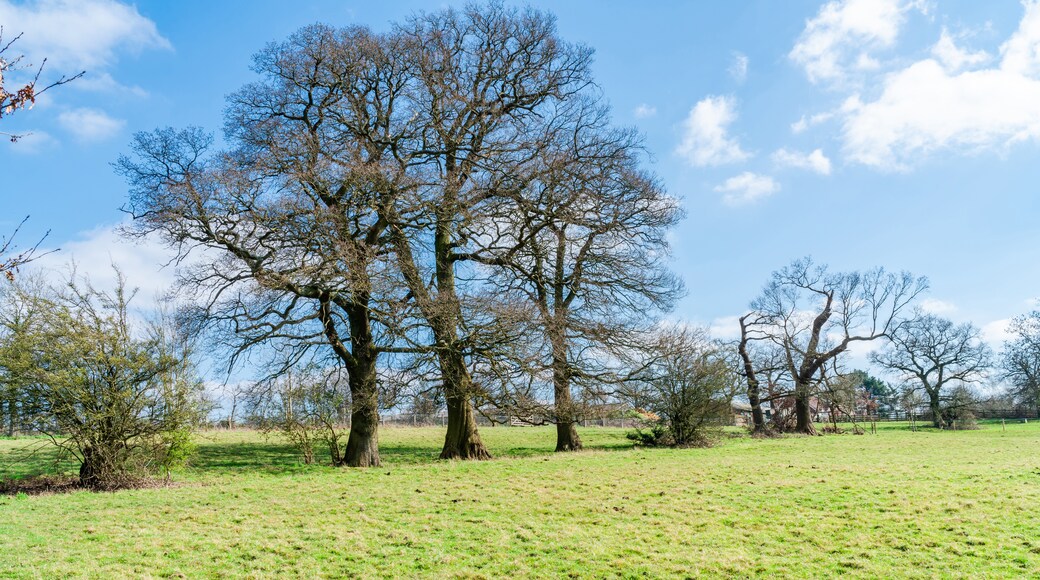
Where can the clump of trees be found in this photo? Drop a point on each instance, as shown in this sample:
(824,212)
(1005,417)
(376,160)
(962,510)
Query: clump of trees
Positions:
(805,319)
(449,195)
(119,396)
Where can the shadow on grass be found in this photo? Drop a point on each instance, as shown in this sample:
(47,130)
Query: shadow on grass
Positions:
(31,456)
(275,456)
(241,452)
(245,456)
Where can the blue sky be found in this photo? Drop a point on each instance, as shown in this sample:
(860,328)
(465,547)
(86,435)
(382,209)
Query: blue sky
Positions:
(862,132)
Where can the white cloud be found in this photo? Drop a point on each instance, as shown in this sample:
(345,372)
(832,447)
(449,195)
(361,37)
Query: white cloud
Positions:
(644,111)
(90,124)
(929,106)
(842,34)
(705,139)
(79,34)
(936,306)
(816,161)
(747,188)
(1020,55)
(996,332)
(738,69)
(804,122)
(955,58)
(94,253)
(105,83)
(725,328)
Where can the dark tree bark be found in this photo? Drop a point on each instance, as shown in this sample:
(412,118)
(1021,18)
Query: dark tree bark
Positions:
(754,391)
(88,470)
(935,406)
(462,441)
(363,440)
(566,430)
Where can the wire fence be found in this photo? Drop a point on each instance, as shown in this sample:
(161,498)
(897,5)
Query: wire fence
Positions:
(895,415)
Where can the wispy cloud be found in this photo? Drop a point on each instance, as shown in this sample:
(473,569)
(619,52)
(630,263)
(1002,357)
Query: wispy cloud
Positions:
(90,124)
(955,58)
(644,111)
(816,161)
(932,104)
(706,140)
(747,188)
(996,332)
(956,99)
(936,306)
(96,251)
(80,34)
(805,122)
(738,68)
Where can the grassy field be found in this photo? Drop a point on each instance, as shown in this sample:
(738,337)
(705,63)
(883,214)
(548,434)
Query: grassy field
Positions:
(924,504)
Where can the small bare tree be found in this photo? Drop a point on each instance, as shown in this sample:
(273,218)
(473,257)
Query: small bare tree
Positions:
(304,407)
(689,384)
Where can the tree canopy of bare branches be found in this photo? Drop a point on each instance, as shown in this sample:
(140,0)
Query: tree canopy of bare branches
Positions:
(813,315)
(288,211)
(583,246)
(934,354)
(355,210)
(1020,361)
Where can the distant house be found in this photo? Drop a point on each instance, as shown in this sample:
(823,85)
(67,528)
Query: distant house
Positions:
(742,413)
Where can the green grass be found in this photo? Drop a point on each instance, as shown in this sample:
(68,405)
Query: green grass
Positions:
(925,504)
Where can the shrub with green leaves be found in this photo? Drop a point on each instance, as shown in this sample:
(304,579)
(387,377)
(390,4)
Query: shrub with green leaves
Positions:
(120,395)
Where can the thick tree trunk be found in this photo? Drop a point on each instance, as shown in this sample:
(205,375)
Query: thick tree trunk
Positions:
(936,407)
(462,441)
(363,440)
(802,411)
(360,361)
(566,432)
(567,437)
(758,418)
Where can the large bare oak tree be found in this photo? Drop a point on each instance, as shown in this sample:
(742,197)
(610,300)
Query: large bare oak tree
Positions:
(814,315)
(934,354)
